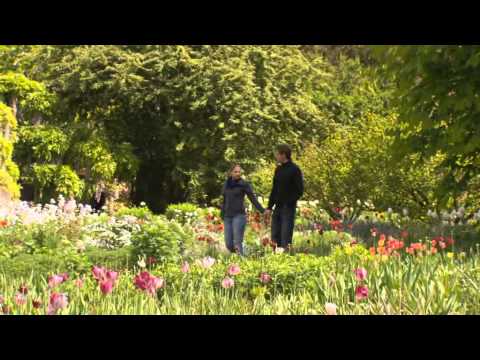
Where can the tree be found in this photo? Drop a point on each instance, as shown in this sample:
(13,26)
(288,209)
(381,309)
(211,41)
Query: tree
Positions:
(355,164)
(437,92)
(186,111)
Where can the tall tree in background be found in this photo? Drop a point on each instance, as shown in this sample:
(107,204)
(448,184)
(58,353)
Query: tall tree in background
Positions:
(438,95)
(187,111)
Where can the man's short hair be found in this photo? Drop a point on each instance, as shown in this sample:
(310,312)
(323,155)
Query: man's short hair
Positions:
(285,149)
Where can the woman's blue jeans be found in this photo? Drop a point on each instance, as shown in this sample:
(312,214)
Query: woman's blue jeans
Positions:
(234,227)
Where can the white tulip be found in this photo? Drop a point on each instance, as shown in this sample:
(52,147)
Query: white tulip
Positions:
(331,309)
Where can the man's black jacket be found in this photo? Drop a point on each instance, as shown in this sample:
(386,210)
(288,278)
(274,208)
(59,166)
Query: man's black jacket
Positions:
(287,185)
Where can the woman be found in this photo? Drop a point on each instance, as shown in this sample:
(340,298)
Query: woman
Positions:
(233,208)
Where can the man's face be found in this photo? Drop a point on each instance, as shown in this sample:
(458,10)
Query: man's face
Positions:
(280,157)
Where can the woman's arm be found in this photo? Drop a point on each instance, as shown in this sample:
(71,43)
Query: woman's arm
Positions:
(222,208)
(253,198)
(273,193)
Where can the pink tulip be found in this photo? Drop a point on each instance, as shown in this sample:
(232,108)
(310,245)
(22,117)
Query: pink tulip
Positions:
(185,267)
(20,299)
(227,283)
(361,292)
(57,302)
(331,309)
(98,273)
(265,278)
(106,287)
(207,262)
(361,274)
(54,280)
(112,275)
(148,283)
(233,270)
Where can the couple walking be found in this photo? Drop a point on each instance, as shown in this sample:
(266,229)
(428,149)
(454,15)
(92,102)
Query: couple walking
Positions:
(287,189)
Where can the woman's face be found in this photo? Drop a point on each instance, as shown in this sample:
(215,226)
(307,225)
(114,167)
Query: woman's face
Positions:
(236,173)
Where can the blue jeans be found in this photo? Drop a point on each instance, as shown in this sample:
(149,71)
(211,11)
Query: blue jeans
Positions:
(234,227)
(283,221)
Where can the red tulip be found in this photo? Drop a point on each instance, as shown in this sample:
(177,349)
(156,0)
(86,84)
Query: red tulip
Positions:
(151,260)
(37,304)
(361,292)
(64,276)
(23,290)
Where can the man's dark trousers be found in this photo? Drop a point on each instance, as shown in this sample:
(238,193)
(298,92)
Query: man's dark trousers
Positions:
(283,221)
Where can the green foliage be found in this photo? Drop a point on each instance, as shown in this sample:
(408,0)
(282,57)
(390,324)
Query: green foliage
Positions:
(26,265)
(352,91)
(33,95)
(182,213)
(159,238)
(142,213)
(41,143)
(186,110)
(9,172)
(51,180)
(112,259)
(353,167)
(437,94)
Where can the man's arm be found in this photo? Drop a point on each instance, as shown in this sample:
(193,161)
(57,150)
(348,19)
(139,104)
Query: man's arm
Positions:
(298,182)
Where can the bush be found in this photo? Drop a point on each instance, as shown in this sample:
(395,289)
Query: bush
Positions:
(142,212)
(111,233)
(321,244)
(161,239)
(112,259)
(25,265)
(183,213)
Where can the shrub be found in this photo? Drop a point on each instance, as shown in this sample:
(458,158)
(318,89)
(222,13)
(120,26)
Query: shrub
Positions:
(111,233)
(115,259)
(183,213)
(142,212)
(25,265)
(159,238)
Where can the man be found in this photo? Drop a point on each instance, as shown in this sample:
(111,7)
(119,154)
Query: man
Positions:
(287,189)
